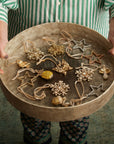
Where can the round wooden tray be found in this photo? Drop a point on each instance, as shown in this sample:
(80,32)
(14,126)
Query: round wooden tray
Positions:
(44,109)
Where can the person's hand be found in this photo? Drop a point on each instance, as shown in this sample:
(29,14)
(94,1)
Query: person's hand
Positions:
(2,47)
(3,40)
(2,52)
(111,35)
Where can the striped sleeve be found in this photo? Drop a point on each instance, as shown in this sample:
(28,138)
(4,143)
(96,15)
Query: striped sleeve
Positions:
(112,11)
(5,5)
(108,4)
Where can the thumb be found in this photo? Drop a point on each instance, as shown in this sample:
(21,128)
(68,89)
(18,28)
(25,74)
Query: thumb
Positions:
(111,40)
(1,71)
(112,51)
(2,48)
(3,54)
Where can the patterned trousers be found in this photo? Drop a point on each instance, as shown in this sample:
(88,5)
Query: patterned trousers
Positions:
(38,131)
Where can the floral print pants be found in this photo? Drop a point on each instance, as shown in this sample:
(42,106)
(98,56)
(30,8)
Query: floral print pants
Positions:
(38,131)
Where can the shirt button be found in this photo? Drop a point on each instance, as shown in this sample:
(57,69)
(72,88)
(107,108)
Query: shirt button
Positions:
(59,3)
(58,20)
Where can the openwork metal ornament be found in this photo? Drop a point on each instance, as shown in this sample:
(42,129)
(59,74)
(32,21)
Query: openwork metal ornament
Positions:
(93,57)
(82,45)
(31,51)
(95,90)
(60,88)
(85,73)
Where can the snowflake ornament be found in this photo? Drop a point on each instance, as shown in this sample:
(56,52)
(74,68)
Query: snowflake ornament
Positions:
(60,88)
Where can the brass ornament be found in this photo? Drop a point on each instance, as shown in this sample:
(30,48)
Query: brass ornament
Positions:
(60,88)
(57,100)
(56,50)
(85,73)
(32,52)
(104,71)
(23,64)
(62,67)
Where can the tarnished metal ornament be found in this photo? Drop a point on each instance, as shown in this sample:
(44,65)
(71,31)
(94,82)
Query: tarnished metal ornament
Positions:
(95,90)
(47,75)
(57,100)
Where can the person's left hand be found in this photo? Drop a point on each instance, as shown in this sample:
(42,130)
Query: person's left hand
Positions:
(111,35)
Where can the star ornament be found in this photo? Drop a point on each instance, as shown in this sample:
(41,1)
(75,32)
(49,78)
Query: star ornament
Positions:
(82,45)
(95,90)
(93,57)
(26,78)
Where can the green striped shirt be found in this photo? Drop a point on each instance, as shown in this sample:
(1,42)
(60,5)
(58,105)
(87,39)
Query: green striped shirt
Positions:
(91,13)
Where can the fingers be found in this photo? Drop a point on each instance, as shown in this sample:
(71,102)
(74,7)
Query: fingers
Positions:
(112,51)
(1,71)
(111,35)
(3,54)
(111,40)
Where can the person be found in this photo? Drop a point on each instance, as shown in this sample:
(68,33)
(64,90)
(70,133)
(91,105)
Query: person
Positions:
(95,14)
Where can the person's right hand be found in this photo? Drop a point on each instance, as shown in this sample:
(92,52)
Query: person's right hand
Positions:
(111,35)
